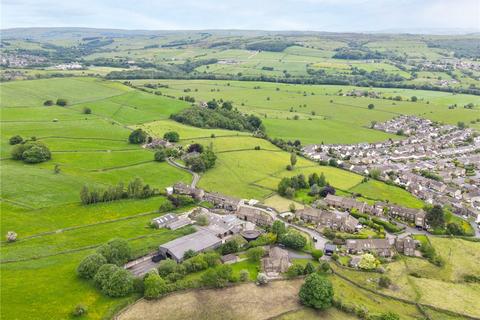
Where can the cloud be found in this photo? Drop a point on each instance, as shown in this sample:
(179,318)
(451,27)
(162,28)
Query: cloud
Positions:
(319,15)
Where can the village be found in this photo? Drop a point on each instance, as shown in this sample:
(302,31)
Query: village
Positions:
(436,163)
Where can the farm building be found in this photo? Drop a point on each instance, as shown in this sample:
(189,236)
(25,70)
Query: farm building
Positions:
(199,241)
(161,222)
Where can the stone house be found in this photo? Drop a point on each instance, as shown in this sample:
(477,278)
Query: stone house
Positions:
(275,262)
(380,247)
(255,215)
(183,189)
(406,246)
(222,201)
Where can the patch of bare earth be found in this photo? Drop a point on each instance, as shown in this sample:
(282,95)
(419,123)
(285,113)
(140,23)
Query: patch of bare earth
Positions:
(246,301)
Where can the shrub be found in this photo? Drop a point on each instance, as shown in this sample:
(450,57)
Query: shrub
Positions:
(244,275)
(324,267)
(293,240)
(384,282)
(262,279)
(316,292)
(295,270)
(137,136)
(119,284)
(196,263)
(90,265)
(160,155)
(79,310)
(167,266)
(48,103)
(229,247)
(40,152)
(87,110)
(154,286)
(116,251)
(15,140)
(389,316)
(254,254)
(61,102)
(371,106)
(171,136)
(189,254)
(103,274)
(368,262)
(309,268)
(317,254)
(217,277)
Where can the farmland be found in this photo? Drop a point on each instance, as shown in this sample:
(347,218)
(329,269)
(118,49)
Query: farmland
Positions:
(55,231)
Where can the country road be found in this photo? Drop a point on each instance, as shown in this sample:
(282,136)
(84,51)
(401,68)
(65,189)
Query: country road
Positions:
(195,176)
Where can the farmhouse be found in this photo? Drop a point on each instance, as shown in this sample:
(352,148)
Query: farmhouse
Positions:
(222,201)
(380,247)
(199,241)
(255,215)
(276,261)
(182,188)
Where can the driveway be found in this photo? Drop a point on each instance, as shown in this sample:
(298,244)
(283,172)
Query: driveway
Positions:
(195,176)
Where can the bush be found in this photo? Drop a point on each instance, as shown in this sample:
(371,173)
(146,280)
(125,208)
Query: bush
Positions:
(154,286)
(293,240)
(80,310)
(384,282)
(295,270)
(309,268)
(217,277)
(317,254)
(87,110)
(160,155)
(61,102)
(15,140)
(229,247)
(196,263)
(103,275)
(368,262)
(119,284)
(167,266)
(316,292)
(324,267)
(48,103)
(262,279)
(116,251)
(137,136)
(389,316)
(171,136)
(40,152)
(244,275)
(90,265)
(255,254)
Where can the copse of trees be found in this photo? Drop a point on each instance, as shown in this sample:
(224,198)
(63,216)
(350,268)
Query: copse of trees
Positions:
(31,152)
(214,117)
(136,189)
(293,240)
(316,292)
(171,136)
(137,136)
(116,251)
(90,265)
(203,161)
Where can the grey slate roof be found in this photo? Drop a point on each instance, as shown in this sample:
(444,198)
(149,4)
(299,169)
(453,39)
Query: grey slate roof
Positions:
(198,241)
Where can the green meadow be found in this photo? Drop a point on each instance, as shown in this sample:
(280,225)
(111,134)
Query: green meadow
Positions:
(55,231)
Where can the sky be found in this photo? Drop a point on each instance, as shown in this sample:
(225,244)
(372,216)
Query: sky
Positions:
(314,15)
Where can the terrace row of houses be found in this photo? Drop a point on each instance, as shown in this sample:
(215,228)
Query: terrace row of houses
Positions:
(436,163)
(382,247)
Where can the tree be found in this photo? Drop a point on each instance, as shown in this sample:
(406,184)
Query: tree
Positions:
(119,284)
(293,159)
(154,286)
(85,195)
(322,181)
(326,191)
(278,227)
(435,217)
(48,103)
(389,316)
(229,247)
(195,147)
(87,110)
(227,105)
(217,277)
(36,154)
(171,136)
(61,102)
(455,229)
(291,207)
(290,192)
(295,270)
(317,254)
(103,274)
(212,104)
(202,220)
(137,136)
(189,254)
(209,158)
(316,292)
(461,125)
(197,164)
(160,155)
(375,173)
(283,185)
(15,140)
(371,106)
(262,279)
(90,265)
(116,251)
(368,262)
(254,254)
(244,275)
(309,268)
(167,266)
(293,240)
(414,99)
(314,190)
